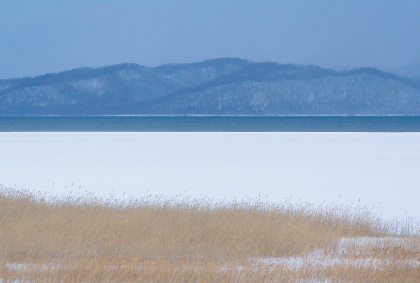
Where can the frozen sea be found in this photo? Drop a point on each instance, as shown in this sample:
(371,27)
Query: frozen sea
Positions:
(373,169)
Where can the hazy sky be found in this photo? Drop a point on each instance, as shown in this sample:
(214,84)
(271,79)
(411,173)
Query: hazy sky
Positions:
(44,36)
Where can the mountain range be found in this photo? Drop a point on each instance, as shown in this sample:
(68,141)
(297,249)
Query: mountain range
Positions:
(225,86)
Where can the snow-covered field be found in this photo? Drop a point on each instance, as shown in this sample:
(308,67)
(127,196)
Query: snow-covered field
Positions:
(381,169)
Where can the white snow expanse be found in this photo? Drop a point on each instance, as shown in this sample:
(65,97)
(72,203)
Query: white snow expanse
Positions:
(381,169)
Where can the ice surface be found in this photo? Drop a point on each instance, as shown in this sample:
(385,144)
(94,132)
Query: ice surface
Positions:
(381,169)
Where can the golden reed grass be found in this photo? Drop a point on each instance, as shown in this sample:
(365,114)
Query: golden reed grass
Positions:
(90,239)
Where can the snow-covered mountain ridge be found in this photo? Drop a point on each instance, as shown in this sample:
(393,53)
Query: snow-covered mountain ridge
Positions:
(226,86)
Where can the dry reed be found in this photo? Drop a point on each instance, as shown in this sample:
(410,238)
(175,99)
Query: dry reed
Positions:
(90,239)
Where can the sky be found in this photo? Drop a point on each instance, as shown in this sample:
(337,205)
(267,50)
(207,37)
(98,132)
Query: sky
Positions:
(46,36)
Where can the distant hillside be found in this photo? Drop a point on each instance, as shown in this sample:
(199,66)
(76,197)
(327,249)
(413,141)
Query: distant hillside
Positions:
(227,86)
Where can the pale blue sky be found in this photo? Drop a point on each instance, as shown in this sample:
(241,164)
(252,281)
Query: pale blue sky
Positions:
(44,36)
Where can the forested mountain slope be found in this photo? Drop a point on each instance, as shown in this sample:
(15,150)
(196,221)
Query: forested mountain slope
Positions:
(226,86)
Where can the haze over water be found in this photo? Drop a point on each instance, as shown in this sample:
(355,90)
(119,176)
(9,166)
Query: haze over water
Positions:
(212,124)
